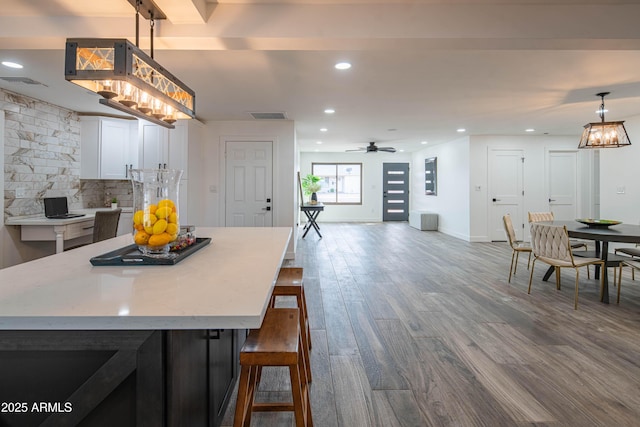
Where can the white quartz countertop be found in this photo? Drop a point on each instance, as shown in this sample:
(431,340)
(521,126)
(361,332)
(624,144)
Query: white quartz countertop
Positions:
(225,285)
(43,220)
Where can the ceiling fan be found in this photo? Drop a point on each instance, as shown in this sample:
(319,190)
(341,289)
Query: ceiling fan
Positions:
(373,148)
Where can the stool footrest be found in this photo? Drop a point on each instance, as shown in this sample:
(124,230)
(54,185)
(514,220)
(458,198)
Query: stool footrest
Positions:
(273,407)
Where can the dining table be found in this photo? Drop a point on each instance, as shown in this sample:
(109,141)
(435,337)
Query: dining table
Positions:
(601,234)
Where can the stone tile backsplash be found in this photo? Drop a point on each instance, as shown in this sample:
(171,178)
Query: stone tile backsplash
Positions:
(42,159)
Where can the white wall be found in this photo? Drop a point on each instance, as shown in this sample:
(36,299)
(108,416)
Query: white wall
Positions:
(463,202)
(452,202)
(619,171)
(282,133)
(371,208)
(536,195)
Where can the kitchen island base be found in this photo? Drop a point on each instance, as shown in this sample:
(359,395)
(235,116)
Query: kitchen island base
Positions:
(125,378)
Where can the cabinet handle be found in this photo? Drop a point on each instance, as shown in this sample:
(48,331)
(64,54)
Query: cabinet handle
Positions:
(214,334)
(165,165)
(159,165)
(126,171)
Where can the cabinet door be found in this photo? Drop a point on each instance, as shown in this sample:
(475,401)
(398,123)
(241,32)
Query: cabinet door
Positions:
(114,149)
(125,223)
(224,358)
(154,146)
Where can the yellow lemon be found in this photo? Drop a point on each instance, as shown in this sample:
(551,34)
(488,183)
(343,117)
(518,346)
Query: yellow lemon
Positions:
(159,239)
(166,202)
(138,217)
(139,227)
(141,238)
(148,229)
(163,212)
(160,226)
(172,228)
(152,209)
(173,218)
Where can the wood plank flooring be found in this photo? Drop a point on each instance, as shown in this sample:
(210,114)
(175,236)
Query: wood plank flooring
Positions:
(414,328)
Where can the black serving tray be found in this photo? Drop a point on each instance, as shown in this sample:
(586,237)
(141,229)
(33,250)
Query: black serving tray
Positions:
(131,255)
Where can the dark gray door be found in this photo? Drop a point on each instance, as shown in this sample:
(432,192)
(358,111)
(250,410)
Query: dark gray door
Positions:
(395,191)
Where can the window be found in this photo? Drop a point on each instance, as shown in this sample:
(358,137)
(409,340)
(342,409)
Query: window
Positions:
(341,182)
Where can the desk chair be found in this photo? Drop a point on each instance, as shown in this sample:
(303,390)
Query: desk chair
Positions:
(550,244)
(105,225)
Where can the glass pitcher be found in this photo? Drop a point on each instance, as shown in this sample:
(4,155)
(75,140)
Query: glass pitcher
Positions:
(155,209)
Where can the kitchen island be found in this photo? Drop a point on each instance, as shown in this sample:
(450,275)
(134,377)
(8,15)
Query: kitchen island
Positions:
(132,345)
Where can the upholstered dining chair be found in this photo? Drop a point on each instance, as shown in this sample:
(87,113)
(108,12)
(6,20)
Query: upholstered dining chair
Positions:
(548,216)
(550,244)
(517,246)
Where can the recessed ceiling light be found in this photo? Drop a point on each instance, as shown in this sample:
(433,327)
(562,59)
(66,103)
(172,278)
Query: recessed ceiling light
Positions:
(343,66)
(424,142)
(461,130)
(318,142)
(11,64)
(329,111)
(323,129)
(402,151)
(530,130)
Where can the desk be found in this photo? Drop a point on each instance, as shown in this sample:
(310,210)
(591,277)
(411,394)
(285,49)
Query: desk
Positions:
(625,233)
(312,212)
(41,229)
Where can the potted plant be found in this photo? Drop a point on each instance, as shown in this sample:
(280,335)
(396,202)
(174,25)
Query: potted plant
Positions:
(310,186)
(114,203)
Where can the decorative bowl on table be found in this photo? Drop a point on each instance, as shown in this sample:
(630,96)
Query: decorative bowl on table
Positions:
(598,223)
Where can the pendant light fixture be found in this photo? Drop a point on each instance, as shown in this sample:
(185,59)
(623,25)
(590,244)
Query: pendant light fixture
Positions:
(604,134)
(128,79)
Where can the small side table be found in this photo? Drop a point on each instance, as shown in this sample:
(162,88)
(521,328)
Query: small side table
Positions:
(312,212)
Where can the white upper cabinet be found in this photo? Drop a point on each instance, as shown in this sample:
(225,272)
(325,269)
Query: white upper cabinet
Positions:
(154,147)
(168,148)
(108,149)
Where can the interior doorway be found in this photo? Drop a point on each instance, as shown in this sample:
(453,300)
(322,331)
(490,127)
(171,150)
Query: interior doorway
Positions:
(506,176)
(249,184)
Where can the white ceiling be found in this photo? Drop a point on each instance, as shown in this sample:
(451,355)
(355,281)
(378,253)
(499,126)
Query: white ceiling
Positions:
(421,69)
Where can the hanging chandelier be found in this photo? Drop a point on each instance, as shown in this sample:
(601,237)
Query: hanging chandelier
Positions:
(128,79)
(604,134)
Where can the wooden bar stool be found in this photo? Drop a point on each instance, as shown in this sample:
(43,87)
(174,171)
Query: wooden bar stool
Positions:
(289,283)
(278,342)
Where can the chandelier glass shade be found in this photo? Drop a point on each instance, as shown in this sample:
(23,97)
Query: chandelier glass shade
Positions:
(604,134)
(128,80)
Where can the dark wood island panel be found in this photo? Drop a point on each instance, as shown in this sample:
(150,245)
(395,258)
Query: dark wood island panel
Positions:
(124,378)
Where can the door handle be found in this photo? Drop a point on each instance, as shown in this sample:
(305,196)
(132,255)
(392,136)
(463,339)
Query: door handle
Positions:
(552,200)
(268,208)
(496,200)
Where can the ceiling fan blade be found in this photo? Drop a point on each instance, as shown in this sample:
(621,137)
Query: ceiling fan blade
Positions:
(357,149)
(387,149)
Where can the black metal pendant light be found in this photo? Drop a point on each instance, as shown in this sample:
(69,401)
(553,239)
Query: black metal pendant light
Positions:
(604,134)
(128,79)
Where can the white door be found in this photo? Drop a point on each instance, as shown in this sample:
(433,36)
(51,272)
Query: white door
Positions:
(154,146)
(249,184)
(506,192)
(562,184)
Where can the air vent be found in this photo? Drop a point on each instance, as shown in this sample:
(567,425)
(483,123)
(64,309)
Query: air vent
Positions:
(269,116)
(25,80)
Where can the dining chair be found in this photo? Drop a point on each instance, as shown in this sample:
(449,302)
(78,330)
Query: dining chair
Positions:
(550,244)
(634,264)
(517,246)
(633,253)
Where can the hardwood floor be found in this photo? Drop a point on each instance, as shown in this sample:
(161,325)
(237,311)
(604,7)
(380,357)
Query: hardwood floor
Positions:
(413,328)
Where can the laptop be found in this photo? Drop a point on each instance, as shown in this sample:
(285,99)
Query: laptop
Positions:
(57,208)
